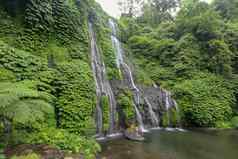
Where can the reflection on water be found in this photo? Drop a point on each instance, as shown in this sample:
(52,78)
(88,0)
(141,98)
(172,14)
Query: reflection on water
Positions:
(159,144)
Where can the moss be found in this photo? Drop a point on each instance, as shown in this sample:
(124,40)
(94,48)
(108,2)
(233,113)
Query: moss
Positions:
(28,156)
(105,106)
(174,117)
(165,120)
(125,101)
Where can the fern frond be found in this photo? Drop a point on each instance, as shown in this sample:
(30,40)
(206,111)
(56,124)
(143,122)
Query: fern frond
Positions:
(7,99)
(41,105)
(22,103)
(19,112)
(46,96)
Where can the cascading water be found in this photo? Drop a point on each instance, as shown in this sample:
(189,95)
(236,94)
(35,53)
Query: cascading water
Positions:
(128,72)
(103,87)
(154,118)
(116,43)
(164,98)
(169,105)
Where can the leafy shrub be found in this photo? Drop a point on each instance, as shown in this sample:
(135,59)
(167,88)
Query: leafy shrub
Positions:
(76,96)
(6,75)
(64,140)
(125,101)
(2,156)
(234,122)
(22,103)
(23,64)
(105,107)
(174,117)
(29,156)
(223,124)
(205,100)
(165,120)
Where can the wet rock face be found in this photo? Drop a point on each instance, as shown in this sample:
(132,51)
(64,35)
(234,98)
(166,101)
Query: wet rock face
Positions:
(161,103)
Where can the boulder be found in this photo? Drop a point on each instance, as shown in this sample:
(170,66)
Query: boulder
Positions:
(133,134)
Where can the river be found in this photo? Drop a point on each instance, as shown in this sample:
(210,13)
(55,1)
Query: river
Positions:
(161,144)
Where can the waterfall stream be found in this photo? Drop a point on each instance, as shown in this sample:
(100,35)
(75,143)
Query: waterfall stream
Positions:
(122,65)
(103,87)
(165,96)
(154,118)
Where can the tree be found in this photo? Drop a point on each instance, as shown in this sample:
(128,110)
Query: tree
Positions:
(157,11)
(22,104)
(228,9)
(130,7)
(165,5)
(220,58)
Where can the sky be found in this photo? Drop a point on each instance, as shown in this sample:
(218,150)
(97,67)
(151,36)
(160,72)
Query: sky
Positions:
(111,6)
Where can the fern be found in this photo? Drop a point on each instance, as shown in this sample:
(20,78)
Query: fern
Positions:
(22,103)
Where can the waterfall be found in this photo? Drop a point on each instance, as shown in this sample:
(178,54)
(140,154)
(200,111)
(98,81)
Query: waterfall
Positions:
(116,43)
(169,104)
(128,72)
(103,87)
(164,97)
(139,119)
(153,116)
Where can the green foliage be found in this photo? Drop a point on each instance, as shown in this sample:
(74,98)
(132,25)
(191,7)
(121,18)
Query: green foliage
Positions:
(195,55)
(29,156)
(174,117)
(199,19)
(39,15)
(105,108)
(158,11)
(76,96)
(66,141)
(165,120)
(227,8)
(152,48)
(205,100)
(234,122)
(6,75)
(223,125)
(142,77)
(21,63)
(2,156)
(125,101)
(47,41)
(22,103)
(188,57)
(220,58)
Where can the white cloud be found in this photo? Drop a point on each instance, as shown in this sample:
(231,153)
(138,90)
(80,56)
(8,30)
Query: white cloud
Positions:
(110,6)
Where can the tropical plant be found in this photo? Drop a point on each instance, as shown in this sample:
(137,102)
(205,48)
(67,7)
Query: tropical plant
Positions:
(28,156)
(66,141)
(21,103)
